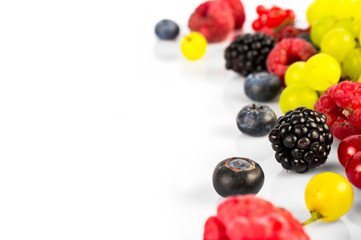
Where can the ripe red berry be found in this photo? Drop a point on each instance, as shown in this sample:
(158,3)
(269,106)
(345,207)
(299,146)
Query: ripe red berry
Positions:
(213,19)
(247,217)
(348,147)
(341,104)
(286,52)
(261,10)
(276,18)
(353,170)
(257,25)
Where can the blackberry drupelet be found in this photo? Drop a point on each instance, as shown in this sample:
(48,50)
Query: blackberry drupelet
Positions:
(248,53)
(301,139)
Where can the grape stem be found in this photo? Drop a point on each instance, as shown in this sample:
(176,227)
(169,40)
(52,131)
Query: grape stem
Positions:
(314,217)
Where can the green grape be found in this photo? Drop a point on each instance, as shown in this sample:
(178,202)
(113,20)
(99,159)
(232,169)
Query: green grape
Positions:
(319,29)
(351,64)
(357,10)
(318,9)
(297,95)
(345,23)
(356,27)
(344,8)
(294,73)
(337,43)
(321,72)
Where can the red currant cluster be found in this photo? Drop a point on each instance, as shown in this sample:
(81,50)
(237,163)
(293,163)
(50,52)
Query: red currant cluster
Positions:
(276,22)
(273,17)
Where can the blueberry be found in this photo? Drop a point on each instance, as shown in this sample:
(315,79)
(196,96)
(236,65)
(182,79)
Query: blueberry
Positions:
(167,29)
(262,86)
(304,36)
(256,120)
(237,176)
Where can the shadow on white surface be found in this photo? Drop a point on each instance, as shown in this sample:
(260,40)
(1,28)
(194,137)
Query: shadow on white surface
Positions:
(167,50)
(255,148)
(336,230)
(225,131)
(197,195)
(233,93)
(193,69)
(354,214)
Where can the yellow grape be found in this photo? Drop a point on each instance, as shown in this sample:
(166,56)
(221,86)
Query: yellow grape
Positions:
(328,196)
(321,72)
(194,46)
(337,43)
(318,9)
(320,28)
(297,95)
(294,73)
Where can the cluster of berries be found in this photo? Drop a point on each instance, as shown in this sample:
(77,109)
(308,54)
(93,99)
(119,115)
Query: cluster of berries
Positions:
(318,106)
(277,22)
(273,17)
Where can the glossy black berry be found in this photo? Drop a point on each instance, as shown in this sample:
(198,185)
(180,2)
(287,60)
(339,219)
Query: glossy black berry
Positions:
(248,53)
(256,120)
(262,86)
(301,140)
(236,175)
(167,29)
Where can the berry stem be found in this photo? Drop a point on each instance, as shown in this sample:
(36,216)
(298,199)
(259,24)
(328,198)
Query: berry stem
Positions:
(314,217)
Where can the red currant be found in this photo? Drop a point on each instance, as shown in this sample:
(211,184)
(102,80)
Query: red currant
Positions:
(348,147)
(276,18)
(257,25)
(275,8)
(290,14)
(261,10)
(353,170)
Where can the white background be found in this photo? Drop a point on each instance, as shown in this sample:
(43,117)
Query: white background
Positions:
(107,132)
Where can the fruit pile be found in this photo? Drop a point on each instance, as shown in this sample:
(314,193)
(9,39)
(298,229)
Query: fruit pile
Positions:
(316,72)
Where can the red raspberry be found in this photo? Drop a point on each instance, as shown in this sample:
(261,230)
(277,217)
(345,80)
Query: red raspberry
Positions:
(239,14)
(214,230)
(214,19)
(341,104)
(247,217)
(286,52)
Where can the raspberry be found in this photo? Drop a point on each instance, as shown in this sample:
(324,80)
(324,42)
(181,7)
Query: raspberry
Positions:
(248,53)
(286,52)
(301,140)
(238,12)
(214,19)
(341,104)
(214,230)
(250,218)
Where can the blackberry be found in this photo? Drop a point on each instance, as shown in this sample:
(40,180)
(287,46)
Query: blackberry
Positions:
(301,139)
(248,53)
